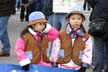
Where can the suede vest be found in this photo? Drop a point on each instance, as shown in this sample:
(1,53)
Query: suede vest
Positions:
(71,52)
(38,49)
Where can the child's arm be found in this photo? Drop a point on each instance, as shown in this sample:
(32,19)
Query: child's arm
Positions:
(19,50)
(87,53)
(55,50)
(51,32)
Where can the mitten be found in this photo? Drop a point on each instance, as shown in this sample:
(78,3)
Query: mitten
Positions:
(25,67)
(54,64)
(85,65)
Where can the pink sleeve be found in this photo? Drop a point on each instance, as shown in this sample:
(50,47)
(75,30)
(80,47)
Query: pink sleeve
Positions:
(55,50)
(87,52)
(19,49)
(52,34)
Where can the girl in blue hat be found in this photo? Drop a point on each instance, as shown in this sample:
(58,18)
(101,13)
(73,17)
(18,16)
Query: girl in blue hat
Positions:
(32,46)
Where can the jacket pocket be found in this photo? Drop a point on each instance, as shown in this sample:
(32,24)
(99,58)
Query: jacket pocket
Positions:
(28,54)
(61,53)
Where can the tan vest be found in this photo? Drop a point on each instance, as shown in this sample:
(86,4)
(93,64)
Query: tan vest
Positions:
(31,44)
(71,52)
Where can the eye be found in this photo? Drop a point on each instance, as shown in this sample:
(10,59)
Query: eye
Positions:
(42,23)
(72,18)
(79,18)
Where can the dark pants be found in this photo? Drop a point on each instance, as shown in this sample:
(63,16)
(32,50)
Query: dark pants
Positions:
(86,5)
(24,13)
(82,69)
(100,57)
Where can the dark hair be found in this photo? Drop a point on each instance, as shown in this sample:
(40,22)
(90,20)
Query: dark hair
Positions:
(25,30)
(83,29)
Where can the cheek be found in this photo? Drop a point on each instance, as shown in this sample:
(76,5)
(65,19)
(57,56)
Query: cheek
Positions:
(35,28)
(71,21)
(80,21)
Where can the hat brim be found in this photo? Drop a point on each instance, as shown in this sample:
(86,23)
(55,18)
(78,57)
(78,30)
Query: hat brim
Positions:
(38,21)
(76,12)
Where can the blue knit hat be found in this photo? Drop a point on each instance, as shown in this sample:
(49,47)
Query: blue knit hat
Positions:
(76,10)
(36,17)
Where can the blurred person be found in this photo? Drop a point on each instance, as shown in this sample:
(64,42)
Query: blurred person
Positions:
(7,8)
(100,11)
(24,13)
(47,9)
(60,10)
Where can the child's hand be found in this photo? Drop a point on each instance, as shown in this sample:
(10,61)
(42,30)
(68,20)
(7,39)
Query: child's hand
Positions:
(26,67)
(85,65)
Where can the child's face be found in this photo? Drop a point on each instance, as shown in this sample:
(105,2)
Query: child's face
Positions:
(75,20)
(39,27)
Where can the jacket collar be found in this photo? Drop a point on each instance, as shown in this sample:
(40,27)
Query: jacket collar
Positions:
(69,30)
(32,31)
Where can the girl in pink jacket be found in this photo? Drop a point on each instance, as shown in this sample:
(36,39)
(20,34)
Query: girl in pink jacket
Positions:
(32,47)
(73,48)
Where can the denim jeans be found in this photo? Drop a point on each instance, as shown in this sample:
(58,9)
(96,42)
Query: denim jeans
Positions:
(17,1)
(100,54)
(4,34)
(24,14)
(50,19)
(59,21)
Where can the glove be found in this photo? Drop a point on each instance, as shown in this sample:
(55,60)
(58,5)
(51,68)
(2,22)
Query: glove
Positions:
(26,67)
(85,65)
(54,64)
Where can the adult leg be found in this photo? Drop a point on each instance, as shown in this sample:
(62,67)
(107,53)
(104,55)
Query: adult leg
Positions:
(62,20)
(88,6)
(22,13)
(50,19)
(99,46)
(84,5)
(17,4)
(55,21)
(27,14)
(4,35)
(106,54)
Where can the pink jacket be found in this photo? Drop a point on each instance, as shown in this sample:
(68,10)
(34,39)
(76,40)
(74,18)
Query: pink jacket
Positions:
(86,56)
(20,45)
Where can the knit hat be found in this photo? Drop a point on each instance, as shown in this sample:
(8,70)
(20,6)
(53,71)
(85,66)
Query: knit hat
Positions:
(36,17)
(76,10)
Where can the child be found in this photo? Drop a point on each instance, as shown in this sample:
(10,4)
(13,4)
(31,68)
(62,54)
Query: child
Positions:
(73,48)
(32,47)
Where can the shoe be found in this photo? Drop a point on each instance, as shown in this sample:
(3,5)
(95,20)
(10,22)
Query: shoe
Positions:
(3,54)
